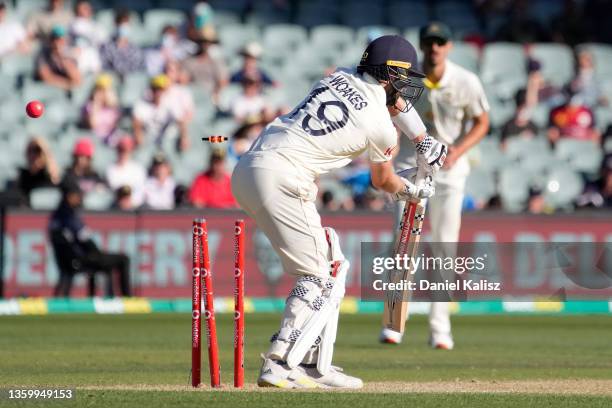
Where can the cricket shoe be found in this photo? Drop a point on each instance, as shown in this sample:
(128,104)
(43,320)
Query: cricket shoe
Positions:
(277,374)
(335,378)
(441,341)
(388,336)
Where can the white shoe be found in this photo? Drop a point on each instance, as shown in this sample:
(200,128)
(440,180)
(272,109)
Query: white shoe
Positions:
(277,374)
(388,336)
(335,378)
(441,341)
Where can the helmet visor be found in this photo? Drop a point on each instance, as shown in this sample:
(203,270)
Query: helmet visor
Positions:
(407,86)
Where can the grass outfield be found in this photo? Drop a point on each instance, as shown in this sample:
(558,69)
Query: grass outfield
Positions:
(144,360)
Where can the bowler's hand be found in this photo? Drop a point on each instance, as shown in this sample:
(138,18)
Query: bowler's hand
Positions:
(451,158)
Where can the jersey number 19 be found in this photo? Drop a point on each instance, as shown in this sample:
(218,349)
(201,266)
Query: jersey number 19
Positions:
(330,124)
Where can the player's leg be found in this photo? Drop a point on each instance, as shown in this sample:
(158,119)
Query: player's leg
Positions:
(288,216)
(111,262)
(445,215)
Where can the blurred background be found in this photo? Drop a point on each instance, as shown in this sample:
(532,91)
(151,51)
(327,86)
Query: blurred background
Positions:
(129,92)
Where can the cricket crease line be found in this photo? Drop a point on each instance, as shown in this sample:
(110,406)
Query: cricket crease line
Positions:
(561,386)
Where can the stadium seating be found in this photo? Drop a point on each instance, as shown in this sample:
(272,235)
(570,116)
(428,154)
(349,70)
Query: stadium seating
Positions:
(104,157)
(227,95)
(17,66)
(11,111)
(139,6)
(537,164)
(331,36)
(363,14)
(489,156)
(602,57)
(183,5)
(351,55)
(24,8)
(607,146)
(517,147)
(183,176)
(144,154)
(80,95)
(46,198)
(603,117)
(41,91)
(480,185)
(281,39)
(7,174)
(235,6)
(234,37)
(582,156)
(265,14)
(106,18)
(222,18)
(141,36)
(563,186)
(299,45)
(513,188)
(43,127)
(407,14)
(501,110)
(557,62)
(98,200)
(466,55)
(156,19)
(504,64)
(540,116)
(309,65)
(133,88)
(364,32)
(457,14)
(317,12)
(544,10)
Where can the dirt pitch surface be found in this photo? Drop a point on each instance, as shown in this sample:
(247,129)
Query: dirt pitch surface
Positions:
(566,387)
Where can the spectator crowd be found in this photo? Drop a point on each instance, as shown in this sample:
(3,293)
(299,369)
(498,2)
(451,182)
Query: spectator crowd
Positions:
(150,105)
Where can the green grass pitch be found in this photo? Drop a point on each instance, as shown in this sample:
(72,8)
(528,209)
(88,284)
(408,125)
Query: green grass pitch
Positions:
(144,360)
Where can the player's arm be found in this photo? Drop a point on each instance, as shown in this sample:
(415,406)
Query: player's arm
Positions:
(384,178)
(402,189)
(137,130)
(47,75)
(478,131)
(183,140)
(73,71)
(477,109)
(430,152)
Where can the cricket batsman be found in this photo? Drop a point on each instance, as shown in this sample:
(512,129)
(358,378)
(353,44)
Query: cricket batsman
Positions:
(346,114)
(454,109)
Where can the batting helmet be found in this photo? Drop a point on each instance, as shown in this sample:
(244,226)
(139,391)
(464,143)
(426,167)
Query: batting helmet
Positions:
(392,58)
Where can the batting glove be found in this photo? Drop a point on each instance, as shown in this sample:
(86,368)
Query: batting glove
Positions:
(430,155)
(414,190)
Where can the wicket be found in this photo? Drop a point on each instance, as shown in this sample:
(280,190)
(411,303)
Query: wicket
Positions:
(239,304)
(202,273)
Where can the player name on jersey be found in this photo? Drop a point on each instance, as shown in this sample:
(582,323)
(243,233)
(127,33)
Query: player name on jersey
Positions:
(342,87)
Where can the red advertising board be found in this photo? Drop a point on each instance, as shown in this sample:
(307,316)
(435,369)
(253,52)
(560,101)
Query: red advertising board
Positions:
(159,246)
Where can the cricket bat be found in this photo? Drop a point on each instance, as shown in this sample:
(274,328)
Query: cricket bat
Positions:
(406,243)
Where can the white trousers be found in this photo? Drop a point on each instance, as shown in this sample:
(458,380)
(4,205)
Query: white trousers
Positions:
(282,203)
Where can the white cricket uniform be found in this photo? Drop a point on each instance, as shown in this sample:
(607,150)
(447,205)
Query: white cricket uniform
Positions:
(344,116)
(446,109)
